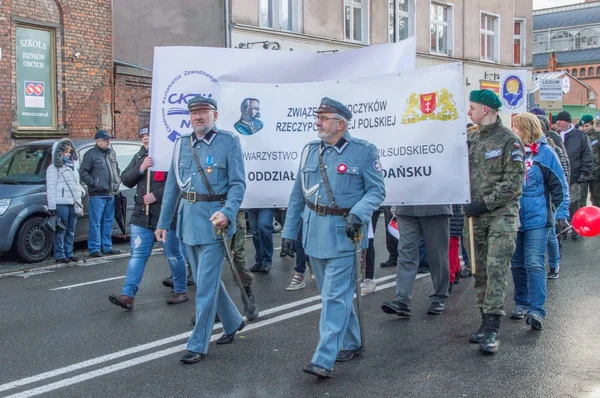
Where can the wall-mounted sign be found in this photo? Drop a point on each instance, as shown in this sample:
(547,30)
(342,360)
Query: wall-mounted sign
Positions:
(513,90)
(36,99)
(566,84)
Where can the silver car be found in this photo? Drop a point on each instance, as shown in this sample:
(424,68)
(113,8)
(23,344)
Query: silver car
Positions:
(23,203)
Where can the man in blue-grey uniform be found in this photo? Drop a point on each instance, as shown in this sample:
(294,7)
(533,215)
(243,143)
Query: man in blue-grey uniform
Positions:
(339,185)
(207,179)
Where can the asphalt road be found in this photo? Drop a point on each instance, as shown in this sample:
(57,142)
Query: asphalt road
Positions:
(60,337)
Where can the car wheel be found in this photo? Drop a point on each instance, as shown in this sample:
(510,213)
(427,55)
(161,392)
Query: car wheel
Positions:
(34,243)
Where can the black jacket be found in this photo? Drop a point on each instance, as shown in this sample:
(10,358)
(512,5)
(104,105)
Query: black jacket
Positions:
(457,221)
(100,172)
(133,178)
(580,156)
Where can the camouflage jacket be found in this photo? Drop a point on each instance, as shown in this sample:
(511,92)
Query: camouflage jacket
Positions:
(496,162)
(594,137)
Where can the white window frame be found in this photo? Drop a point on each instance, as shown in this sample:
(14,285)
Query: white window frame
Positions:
(365,6)
(522,38)
(412,12)
(449,24)
(495,34)
(275,6)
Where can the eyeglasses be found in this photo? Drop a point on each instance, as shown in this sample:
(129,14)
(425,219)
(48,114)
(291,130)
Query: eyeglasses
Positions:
(325,118)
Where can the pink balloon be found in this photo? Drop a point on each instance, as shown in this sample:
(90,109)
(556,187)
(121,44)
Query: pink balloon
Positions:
(586,221)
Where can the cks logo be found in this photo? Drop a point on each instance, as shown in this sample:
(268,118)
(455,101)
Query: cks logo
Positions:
(173,110)
(35,89)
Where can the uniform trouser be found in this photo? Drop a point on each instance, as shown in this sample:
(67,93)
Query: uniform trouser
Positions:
(436,231)
(211,297)
(338,325)
(595,192)
(239,253)
(495,242)
(391,243)
(575,193)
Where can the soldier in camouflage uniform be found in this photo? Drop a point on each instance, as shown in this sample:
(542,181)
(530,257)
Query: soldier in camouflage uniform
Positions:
(496,162)
(587,126)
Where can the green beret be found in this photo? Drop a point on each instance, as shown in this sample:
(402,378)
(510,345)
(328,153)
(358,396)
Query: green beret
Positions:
(586,119)
(199,100)
(329,105)
(485,97)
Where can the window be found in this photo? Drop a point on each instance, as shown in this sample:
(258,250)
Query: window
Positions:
(441,29)
(281,14)
(574,72)
(540,43)
(582,72)
(591,72)
(587,38)
(356,16)
(489,38)
(562,41)
(401,16)
(591,94)
(519,42)
(598,71)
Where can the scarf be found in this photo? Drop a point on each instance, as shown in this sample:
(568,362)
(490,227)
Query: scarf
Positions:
(67,161)
(532,148)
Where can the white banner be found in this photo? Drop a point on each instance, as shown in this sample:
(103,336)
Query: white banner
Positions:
(513,91)
(416,119)
(180,73)
(550,90)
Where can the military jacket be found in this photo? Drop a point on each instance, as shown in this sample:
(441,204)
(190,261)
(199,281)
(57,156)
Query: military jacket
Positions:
(594,137)
(356,179)
(497,168)
(220,155)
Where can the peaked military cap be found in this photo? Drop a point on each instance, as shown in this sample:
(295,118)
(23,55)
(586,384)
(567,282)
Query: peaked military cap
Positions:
(486,97)
(329,105)
(586,119)
(200,101)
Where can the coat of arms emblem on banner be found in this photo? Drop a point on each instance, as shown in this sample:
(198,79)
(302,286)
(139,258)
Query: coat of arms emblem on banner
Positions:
(437,105)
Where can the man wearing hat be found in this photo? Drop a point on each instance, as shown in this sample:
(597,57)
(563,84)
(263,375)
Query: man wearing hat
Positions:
(587,126)
(100,172)
(339,186)
(207,180)
(581,161)
(497,169)
(146,210)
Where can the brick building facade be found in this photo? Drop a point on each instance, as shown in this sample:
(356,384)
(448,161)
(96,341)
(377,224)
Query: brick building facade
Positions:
(133,89)
(82,68)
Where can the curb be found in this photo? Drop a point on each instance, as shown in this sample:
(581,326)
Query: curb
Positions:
(85,263)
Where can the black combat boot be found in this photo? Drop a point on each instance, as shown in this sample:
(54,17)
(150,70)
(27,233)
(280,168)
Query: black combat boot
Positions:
(250,309)
(477,337)
(490,341)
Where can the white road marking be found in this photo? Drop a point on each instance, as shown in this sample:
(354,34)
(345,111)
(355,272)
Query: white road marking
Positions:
(87,283)
(159,354)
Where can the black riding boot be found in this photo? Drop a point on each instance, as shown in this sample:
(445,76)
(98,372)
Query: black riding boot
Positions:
(477,337)
(490,341)
(250,309)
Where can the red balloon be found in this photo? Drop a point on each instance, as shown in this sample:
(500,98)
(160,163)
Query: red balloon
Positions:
(586,221)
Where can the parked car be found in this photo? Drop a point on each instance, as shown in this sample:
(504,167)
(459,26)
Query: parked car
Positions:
(23,203)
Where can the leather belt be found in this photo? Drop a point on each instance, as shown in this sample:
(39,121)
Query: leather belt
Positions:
(327,211)
(194,197)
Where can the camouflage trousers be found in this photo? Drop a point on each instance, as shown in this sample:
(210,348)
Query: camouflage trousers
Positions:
(239,253)
(595,192)
(495,243)
(578,194)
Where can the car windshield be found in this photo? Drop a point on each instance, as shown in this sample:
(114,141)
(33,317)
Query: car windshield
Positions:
(25,165)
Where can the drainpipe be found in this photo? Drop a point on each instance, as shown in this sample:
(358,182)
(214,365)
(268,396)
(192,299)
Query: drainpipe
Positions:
(227,24)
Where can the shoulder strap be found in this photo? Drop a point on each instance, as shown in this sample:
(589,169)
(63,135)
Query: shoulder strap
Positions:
(326,180)
(66,182)
(200,169)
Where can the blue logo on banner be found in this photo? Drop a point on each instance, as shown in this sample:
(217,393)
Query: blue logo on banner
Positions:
(513,92)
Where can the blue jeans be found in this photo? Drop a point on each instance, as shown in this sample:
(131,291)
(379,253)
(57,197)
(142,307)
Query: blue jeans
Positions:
(553,248)
(528,268)
(261,228)
(102,217)
(141,241)
(64,238)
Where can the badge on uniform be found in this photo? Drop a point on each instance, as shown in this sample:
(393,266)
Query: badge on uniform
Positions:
(377,165)
(342,168)
(494,153)
(209,163)
(594,142)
